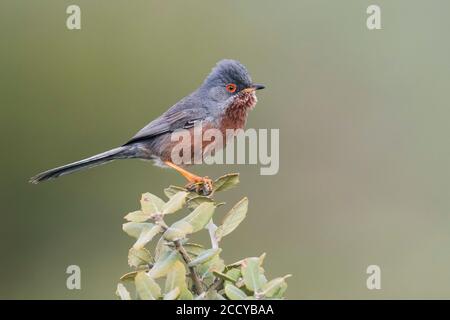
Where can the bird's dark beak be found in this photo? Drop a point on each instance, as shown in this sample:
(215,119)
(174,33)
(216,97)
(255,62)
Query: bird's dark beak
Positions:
(258,86)
(254,87)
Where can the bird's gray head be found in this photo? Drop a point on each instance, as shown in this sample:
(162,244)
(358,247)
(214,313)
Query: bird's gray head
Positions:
(228,79)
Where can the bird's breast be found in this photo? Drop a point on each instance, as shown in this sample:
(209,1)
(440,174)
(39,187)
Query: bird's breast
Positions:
(233,118)
(235,115)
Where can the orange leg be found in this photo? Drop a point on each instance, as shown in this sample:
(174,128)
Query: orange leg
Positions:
(196,183)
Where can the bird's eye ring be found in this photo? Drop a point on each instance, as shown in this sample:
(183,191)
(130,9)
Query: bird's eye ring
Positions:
(231,87)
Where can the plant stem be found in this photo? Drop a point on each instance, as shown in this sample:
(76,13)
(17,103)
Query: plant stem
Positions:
(216,284)
(197,283)
(212,234)
(198,287)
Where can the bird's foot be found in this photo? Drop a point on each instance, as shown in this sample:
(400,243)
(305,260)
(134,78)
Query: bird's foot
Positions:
(201,185)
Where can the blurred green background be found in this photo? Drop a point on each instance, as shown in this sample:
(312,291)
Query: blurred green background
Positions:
(364,154)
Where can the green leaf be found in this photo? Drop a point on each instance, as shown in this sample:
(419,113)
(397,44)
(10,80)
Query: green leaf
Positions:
(226,182)
(261,259)
(151,204)
(213,295)
(206,269)
(172,190)
(234,293)
(137,216)
(200,216)
(131,275)
(138,257)
(234,274)
(223,276)
(146,287)
(161,248)
(134,229)
(262,277)
(251,273)
(178,230)
(173,294)
(279,294)
(233,218)
(163,265)
(146,236)
(176,278)
(236,264)
(175,203)
(185,294)
(274,286)
(193,248)
(196,201)
(122,292)
(205,256)
(128,276)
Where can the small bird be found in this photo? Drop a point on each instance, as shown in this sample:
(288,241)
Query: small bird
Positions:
(222,102)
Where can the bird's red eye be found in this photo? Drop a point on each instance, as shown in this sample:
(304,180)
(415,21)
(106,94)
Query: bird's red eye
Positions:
(231,87)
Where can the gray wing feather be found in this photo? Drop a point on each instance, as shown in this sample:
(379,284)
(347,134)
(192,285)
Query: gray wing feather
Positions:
(180,116)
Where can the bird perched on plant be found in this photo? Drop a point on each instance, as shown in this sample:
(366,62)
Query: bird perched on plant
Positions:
(222,102)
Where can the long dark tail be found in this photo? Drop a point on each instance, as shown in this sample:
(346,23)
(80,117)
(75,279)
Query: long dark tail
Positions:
(105,157)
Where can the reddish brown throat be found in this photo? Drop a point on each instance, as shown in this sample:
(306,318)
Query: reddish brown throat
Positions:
(235,116)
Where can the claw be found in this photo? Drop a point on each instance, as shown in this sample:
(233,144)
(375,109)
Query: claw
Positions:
(202,186)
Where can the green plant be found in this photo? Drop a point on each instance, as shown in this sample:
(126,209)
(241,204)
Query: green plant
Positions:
(179,269)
